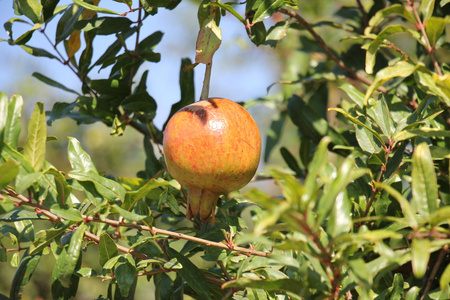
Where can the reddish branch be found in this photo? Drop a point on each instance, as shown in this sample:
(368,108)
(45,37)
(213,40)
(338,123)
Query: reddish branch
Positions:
(351,73)
(19,199)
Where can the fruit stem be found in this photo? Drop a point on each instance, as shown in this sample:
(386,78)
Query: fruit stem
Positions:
(205,89)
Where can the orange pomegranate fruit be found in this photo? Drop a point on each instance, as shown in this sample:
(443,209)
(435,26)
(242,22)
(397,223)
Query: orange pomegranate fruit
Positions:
(212,147)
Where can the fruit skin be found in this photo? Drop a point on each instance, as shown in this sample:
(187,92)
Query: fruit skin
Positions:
(212,147)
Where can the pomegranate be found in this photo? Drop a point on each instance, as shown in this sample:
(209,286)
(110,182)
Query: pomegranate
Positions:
(212,147)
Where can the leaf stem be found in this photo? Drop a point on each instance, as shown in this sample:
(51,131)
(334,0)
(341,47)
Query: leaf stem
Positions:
(206,82)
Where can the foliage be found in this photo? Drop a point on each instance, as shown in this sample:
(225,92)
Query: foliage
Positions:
(364,210)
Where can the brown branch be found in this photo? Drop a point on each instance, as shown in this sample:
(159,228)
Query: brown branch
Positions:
(433,272)
(351,73)
(19,199)
(430,49)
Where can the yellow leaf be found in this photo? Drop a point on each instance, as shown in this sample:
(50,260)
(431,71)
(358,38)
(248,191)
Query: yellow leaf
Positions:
(74,43)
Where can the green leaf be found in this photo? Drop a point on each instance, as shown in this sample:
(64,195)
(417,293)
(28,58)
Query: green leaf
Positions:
(66,212)
(106,187)
(67,262)
(78,158)
(21,214)
(23,274)
(291,161)
(340,219)
(434,28)
(397,287)
(445,278)
(266,9)
(387,12)
(426,9)
(285,284)
(63,189)
(191,274)
(34,150)
(152,184)
(366,138)
(66,23)
(420,255)
(13,125)
(9,153)
(48,8)
(94,8)
(354,94)
(407,210)
(53,83)
(24,181)
(3,113)
(125,274)
(46,237)
(274,134)
(38,52)
(140,102)
(423,132)
(369,137)
(8,171)
(229,9)
(401,69)
(30,8)
(104,25)
(424,181)
(316,166)
(432,84)
(127,215)
(413,293)
(378,41)
(383,117)
(107,248)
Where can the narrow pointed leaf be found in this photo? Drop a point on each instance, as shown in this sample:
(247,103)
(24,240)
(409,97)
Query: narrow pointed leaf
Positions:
(424,181)
(286,284)
(106,187)
(34,150)
(94,7)
(266,9)
(191,274)
(420,255)
(53,83)
(66,212)
(65,267)
(23,274)
(13,125)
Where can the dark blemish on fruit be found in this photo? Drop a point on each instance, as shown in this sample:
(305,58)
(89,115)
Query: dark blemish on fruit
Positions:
(213,102)
(199,111)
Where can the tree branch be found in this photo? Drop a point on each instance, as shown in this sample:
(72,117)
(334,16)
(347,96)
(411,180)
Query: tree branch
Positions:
(351,73)
(19,199)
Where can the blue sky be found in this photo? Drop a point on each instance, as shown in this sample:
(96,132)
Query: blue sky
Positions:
(241,71)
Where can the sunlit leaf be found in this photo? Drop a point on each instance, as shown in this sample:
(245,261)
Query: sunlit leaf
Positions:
(426,9)
(424,181)
(401,69)
(266,9)
(420,256)
(287,284)
(8,171)
(94,7)
(78,158)
(108,188)
(30,8)
(34,150)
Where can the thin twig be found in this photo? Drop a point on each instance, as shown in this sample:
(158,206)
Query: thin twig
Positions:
(352,74)
(433,272)
(428,47)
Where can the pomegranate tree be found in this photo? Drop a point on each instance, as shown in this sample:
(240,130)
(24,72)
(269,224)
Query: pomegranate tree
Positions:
(212,147)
